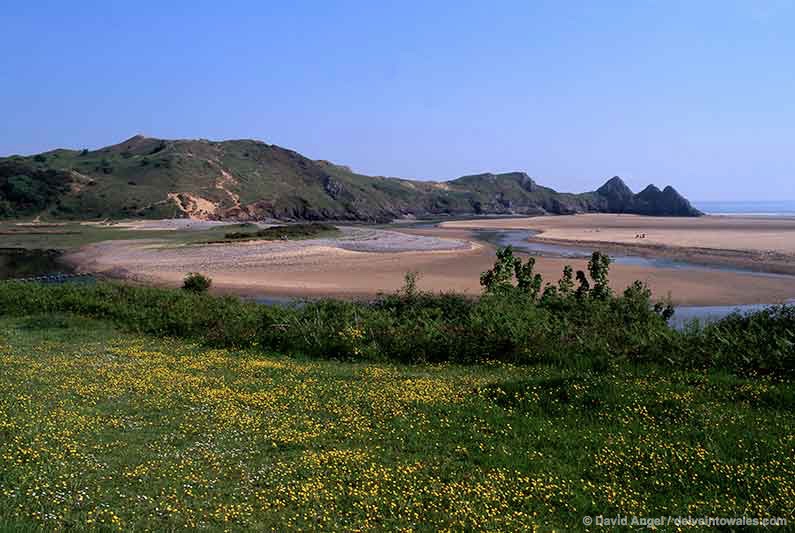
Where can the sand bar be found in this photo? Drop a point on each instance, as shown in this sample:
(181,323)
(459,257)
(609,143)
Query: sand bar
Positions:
(761,234)
(755,243)
(367,261)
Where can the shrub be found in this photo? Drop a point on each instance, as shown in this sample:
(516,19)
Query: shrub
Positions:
(291,231)
(195,282)
(755,343)
(563,328)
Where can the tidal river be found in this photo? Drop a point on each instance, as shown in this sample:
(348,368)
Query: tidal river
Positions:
(519,240)
(16,263)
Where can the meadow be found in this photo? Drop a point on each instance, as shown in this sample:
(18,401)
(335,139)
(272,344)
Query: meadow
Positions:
(530,408)
(108,430)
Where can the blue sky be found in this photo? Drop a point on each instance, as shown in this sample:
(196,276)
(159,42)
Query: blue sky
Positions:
(699,95)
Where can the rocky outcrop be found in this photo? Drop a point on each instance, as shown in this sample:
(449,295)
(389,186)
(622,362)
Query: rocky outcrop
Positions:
(652,201)
(617,195)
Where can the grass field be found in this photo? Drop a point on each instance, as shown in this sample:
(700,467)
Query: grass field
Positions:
(104,430)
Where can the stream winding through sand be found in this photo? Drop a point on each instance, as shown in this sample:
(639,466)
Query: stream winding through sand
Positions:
(522,240)
(19,264)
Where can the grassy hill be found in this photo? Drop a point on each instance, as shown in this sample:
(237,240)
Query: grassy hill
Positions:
(248,180)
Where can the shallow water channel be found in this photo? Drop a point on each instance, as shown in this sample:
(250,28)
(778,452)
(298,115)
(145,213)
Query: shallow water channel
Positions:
(519,240)
(18,263)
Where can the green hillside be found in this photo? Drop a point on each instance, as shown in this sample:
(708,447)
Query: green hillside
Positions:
(249,180)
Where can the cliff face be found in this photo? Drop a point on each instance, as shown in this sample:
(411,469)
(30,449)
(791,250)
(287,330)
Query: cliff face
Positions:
(249,180)
(616,194)
(650,201)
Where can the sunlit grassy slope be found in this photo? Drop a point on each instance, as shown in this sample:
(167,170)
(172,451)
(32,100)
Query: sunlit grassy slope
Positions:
(101,429)
(251,180)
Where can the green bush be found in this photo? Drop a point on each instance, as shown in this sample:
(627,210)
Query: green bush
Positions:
(756,343)
(588,328)
(195,282)
(27,188)
(291,231)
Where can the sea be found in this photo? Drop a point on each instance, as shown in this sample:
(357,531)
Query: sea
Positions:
(783,208)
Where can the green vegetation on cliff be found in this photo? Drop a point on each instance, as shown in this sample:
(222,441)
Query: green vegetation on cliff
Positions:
(251,180)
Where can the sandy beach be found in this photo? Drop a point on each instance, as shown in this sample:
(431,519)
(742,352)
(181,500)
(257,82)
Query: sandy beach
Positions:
(756,243)
(742,233)
(367,261)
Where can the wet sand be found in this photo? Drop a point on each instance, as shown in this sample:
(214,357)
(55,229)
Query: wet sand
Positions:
(757,243)
(376,261)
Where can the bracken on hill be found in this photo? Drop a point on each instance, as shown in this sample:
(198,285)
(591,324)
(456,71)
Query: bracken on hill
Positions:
(251,180)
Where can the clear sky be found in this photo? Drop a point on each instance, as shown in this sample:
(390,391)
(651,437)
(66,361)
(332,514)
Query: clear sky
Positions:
(696,94)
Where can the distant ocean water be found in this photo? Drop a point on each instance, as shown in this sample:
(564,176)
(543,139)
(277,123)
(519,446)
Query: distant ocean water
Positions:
(779,208)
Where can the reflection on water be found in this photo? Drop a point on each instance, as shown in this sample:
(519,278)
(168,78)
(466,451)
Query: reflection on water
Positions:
(18,263)
(518,239)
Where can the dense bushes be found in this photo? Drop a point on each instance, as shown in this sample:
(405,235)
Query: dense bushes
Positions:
(25,188)
(761,342)
(220,320)
(514,321)
(196,282)
(288,232)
